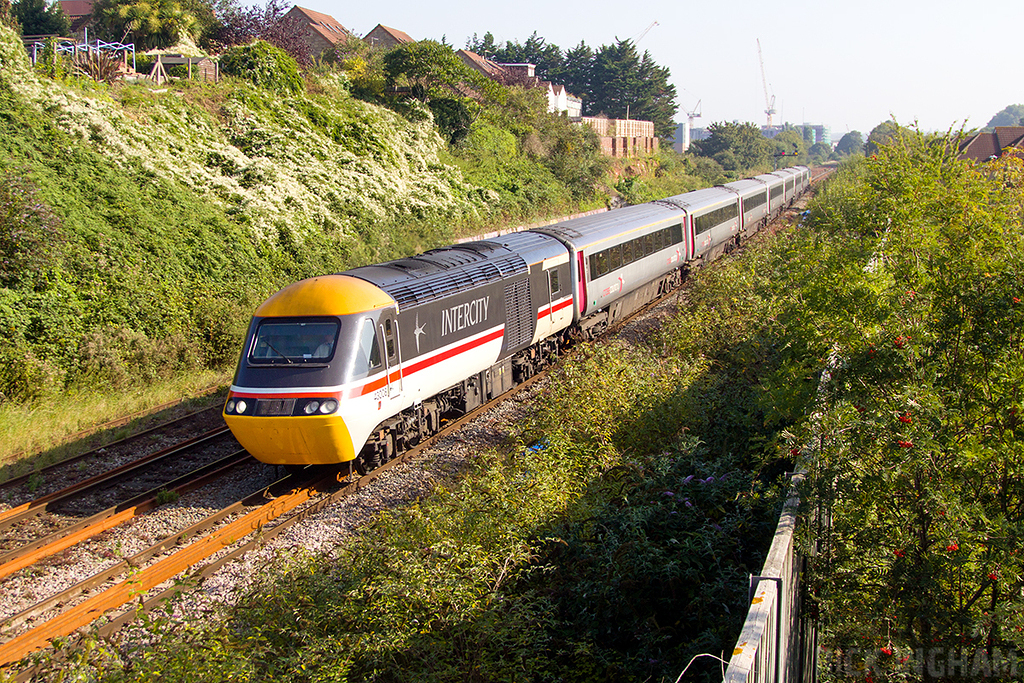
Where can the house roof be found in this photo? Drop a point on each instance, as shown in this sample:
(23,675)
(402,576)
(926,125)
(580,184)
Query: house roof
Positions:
(482,64)
(76,8)
(324,24)
(398,36)
(985,146)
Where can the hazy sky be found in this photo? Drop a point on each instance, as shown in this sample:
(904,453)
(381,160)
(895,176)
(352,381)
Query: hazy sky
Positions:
(848,65)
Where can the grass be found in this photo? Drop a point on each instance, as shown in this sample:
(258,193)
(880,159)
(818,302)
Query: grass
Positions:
(36,434)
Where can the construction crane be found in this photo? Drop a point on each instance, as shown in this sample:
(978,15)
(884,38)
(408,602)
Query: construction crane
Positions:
(644,32)
(768,103)
(690,116)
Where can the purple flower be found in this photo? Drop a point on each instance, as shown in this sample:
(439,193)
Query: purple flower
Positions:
(667,493)
(688,479)
(689,504)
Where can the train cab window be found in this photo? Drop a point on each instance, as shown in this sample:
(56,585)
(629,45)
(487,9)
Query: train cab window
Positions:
(369,351)
(287,342)
(554,288)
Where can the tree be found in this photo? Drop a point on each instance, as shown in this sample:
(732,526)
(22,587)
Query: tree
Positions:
(240,25)
(819,152)
(880,135)
(38,18)
(1012,115)
(851,143)
(150,23)
(576,72)
(431,69)
(437,77)
(789,147)
(626,85)
(736,146)
(545,57)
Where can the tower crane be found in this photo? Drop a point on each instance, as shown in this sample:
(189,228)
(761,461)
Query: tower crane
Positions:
(690,116)
(644,32)
(768,103)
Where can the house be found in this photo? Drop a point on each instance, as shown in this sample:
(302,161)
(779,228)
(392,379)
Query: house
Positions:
(386,37)
(492,70)
(985,146)
(559,99)
(78,13)
(322,30)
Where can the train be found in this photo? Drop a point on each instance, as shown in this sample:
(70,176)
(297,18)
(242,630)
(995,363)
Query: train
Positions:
(359,366)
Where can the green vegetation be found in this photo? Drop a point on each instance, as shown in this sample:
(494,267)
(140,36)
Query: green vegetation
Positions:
(613,80)
(916,283)
(1011,115)
(615,549)
(263,65)
(37,17)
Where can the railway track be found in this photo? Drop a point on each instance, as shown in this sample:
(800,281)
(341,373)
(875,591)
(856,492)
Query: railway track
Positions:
(28,487)
(204,547)
(287,501)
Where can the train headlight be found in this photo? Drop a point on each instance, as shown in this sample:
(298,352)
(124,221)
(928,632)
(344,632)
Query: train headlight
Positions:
(230,407)
(311,407)
(240,407)
(328,406)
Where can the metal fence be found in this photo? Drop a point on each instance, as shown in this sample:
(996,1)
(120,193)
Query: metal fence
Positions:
(777,643)
(71,46)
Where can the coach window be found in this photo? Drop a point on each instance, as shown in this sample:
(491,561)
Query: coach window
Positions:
(553,281)
(649,245)
(676,234)
(627,253)
(615,258)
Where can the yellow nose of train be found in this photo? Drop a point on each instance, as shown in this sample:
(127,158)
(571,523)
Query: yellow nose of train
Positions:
(298,395)
(294,440)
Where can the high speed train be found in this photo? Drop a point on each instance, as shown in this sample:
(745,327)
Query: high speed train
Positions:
(362,364)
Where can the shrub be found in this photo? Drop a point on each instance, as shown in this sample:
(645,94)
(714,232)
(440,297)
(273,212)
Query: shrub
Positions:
(263,65)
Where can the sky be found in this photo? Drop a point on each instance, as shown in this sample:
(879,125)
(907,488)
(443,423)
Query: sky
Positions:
(849,66)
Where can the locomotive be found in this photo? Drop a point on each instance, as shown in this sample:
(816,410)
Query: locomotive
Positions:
(358,366)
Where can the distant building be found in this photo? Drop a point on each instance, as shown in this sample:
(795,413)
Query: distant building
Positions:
(492,70)
(986,146)
(680,135)
(386,37)
(624,137)
(819,133)
(322,30)
(559,99)
(78,13)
